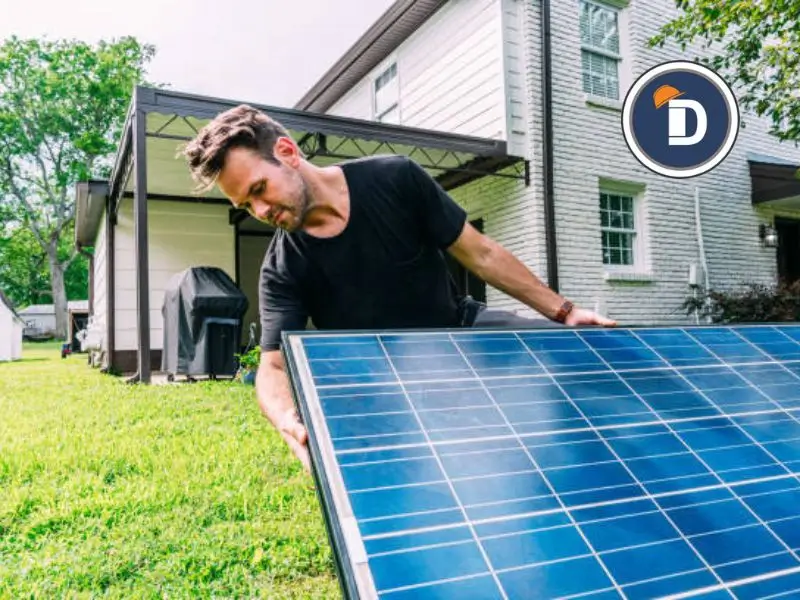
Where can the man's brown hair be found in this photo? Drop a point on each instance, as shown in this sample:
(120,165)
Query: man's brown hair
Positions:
(240,127)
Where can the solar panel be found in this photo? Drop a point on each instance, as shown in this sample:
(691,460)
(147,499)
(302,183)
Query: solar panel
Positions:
(557,463)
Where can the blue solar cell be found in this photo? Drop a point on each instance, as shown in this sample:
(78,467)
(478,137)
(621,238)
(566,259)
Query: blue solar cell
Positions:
(625,463)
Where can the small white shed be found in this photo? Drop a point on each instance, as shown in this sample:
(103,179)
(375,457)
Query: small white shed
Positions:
(11,326)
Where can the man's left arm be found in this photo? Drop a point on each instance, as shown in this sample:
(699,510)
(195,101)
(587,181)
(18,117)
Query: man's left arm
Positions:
(498,267)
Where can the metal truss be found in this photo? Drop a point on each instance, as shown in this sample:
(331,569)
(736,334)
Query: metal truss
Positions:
(454,167)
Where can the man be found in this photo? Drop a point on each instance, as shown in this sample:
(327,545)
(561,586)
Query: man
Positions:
(359,245)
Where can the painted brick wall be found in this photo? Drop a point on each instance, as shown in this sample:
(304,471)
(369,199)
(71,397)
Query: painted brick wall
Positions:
(590,146)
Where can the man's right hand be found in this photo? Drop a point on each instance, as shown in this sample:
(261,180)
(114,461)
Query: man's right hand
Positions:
(295,435)
(275,399)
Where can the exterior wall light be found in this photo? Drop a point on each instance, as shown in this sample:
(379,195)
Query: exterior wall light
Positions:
(768,236)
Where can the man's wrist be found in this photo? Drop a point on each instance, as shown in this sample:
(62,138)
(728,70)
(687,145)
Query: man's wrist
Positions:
(563,311)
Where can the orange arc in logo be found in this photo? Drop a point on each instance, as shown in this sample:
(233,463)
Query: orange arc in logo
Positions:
(664,94)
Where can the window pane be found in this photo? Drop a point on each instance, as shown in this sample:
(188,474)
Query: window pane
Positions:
(586,36)
(386,90)
(603,30)
(600,75)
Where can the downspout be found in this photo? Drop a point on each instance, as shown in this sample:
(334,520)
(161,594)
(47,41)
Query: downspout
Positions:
(547,154)
(82,251)
(701,247)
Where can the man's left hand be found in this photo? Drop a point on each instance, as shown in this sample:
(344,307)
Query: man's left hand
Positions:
(582,316)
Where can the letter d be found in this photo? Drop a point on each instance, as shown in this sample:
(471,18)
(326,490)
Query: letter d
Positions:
(677,122)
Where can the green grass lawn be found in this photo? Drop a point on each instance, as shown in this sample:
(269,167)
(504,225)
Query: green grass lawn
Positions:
(133,491)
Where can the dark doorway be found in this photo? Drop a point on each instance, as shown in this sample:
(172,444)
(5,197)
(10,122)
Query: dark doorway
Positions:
(78,322)
(466,282)
(788,249)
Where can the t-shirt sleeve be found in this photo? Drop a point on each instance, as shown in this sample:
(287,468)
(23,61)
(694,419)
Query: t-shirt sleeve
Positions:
(280,304)
(442,218)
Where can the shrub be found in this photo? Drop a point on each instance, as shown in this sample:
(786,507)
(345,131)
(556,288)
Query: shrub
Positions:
(753,302)
(249,360)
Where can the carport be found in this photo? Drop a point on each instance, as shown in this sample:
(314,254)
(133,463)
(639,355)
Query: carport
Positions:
(147,169)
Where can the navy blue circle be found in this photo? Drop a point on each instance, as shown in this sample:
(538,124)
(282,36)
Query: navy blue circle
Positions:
(650,129)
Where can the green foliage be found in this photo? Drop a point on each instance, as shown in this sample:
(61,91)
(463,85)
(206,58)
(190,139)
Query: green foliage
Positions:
(751,303)
(754,45)
(62,109)
(120,491)
(24,274)
(250,359)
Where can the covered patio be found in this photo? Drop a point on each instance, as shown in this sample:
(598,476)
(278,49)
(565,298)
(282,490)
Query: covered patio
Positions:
(775,186)
(147,169)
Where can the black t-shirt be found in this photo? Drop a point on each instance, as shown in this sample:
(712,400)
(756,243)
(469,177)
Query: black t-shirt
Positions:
(385,270)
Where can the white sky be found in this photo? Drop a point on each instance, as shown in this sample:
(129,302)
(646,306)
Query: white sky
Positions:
(260,51)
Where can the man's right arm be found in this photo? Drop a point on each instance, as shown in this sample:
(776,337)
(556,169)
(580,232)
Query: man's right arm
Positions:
(277,405)
(280,308)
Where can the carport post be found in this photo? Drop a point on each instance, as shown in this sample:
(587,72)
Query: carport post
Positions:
(142,260)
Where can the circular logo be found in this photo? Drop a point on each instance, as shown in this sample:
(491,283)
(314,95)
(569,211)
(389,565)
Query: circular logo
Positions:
(680,119)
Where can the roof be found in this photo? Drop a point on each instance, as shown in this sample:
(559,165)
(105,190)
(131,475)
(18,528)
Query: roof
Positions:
(171,117)
(402,19)
(49,309)
(773,179)
(5,301)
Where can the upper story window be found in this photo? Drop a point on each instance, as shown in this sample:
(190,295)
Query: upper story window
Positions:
(600,49)
(387,96)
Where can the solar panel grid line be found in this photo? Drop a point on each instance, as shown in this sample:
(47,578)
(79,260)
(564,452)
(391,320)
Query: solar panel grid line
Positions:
(625,466)
(594,552)
(704,463)
(757,443)
(754,361)
(578,508)
(576,430)
(772,360)
(542,376)
(475,537)
(737,583)
(547,482)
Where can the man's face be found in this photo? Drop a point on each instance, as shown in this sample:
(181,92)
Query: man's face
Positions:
(274,194)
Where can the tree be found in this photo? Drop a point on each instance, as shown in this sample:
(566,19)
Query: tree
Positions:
(754,45)
(62,108)
(24,274)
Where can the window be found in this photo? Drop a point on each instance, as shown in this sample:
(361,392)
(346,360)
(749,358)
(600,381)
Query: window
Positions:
(600,49)
(618,226)
(386,107)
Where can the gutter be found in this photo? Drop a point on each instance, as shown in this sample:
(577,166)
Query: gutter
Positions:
(547,154)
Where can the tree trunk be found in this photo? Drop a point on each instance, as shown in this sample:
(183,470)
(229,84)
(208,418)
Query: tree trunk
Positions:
(59,290)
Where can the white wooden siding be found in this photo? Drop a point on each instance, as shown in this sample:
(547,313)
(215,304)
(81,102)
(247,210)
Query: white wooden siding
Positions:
(356,104)
(100,299)
(181,235)
(452,73)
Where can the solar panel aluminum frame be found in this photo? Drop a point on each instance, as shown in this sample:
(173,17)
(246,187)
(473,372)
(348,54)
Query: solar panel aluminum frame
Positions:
(356,582)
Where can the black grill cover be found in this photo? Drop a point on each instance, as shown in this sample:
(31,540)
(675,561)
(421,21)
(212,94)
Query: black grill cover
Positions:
(203,311)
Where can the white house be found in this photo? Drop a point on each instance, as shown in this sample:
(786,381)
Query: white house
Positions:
(10,331)
(524,134)
(481,67)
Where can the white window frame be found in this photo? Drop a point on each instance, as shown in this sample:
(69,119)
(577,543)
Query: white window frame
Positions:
(379,114)
(640,268)
(617,7)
